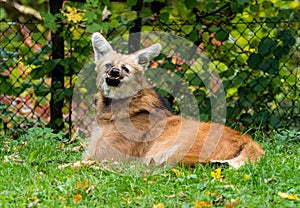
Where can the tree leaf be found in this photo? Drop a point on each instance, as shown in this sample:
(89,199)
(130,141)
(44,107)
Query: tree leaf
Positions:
(222,35)
(94,27)
(131,3)
(164,17)
(286,37)
(190,4)
(266,46)
(254,60)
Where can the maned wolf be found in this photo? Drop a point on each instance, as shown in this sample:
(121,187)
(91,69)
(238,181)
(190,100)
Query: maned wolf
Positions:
(134,124)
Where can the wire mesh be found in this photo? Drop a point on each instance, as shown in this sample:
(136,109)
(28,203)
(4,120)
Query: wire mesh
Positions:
(257,64)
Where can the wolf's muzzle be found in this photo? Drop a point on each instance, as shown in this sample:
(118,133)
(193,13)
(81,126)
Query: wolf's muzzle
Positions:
(113,77)
(114,72)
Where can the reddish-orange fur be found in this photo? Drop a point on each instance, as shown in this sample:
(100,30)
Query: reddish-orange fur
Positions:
(139,127)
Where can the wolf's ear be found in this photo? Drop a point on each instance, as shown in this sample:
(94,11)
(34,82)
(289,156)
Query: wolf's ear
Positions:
(100,45)
(144,56)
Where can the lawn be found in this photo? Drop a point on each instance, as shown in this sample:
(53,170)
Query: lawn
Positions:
(41,169)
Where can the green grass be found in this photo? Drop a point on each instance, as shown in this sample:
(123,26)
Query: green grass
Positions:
(30,177)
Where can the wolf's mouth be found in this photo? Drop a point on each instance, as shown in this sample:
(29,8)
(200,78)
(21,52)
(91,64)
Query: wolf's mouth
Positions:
(113,81)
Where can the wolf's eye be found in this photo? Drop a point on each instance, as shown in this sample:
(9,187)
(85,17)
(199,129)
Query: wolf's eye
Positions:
(108,66)
(125,69)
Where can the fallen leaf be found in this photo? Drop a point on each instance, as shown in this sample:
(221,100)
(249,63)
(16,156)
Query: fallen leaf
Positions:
(77,198)
(267,180)
(170,196)
(105,13)
(83,144)
(77,164)
(181,194)
(210,193)
(76,149)
(61,167)
(127,200)
(85,184)
(232,203)
(200,204)
(246,176)
(177,172)
(174,60)
(91,188)
(288,196)
(34,198)
(216,174)
(13,158)
(230,186)
(34,202)
(88,162)
(159,205)
(60,198)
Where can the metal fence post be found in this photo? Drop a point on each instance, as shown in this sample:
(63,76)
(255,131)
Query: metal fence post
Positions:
(57,74)
(134,32)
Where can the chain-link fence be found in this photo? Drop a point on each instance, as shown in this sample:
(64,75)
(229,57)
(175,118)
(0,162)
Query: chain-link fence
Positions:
(257,64)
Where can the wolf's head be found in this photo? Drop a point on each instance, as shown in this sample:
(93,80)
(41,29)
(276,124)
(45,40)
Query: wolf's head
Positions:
(120,76)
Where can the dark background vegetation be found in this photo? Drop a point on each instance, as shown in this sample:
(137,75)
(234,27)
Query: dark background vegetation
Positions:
(253,45)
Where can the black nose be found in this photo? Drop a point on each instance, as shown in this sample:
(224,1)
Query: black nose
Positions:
(114,72)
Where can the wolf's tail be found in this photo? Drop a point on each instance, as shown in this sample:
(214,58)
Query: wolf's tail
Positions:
(250,152)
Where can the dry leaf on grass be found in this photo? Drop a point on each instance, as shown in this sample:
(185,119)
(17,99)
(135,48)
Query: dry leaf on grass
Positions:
(61,167)
(60,198)
(230,186)
(246,177)
(210,193)
(13,158)
(85,184)
(288,196)
(200,204)
(90,188)
(177,172)
(83,163)
(216,174)
(77,198)
(83,144)
(232,203)
(34,202)
(75,149)
(170,196)
(267,180)
(159,205)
